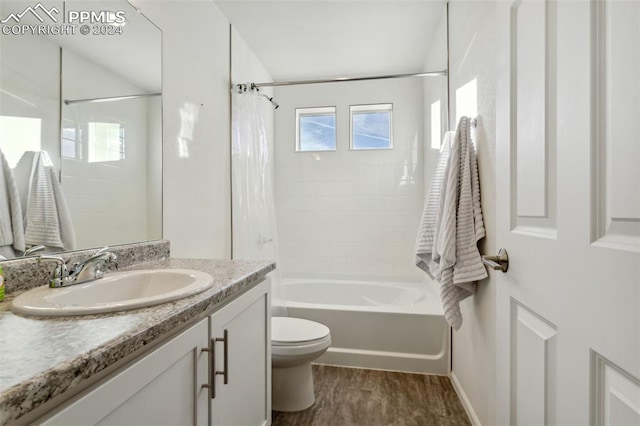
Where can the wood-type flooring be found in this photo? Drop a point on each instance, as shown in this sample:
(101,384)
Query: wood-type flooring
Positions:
(358,397)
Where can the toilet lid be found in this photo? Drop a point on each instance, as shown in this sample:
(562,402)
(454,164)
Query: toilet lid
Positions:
(285,330)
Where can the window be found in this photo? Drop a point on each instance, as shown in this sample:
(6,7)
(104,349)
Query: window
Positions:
(316,129)
(371,126)
(106,142)
(71,140)
(19,134)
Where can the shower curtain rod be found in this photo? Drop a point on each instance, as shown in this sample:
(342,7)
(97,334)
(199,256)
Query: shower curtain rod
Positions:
(110,99)
(344,79)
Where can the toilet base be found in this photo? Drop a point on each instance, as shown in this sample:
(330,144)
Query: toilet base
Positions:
(292,388)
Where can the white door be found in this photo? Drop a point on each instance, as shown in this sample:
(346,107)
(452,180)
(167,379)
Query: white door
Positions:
(568,170)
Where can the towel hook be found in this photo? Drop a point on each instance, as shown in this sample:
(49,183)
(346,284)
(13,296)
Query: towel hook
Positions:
(499,262)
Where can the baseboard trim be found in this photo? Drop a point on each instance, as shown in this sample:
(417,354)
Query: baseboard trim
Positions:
(465,401)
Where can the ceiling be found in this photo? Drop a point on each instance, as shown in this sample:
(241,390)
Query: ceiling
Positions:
(298,40)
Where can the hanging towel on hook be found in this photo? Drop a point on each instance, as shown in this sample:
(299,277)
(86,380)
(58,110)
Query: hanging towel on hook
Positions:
(426,231)
(11,224)
(47,218)
(454,259)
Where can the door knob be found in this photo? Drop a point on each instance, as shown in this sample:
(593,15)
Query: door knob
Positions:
(499,262)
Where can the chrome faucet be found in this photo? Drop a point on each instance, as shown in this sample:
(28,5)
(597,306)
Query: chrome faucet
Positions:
(88,270)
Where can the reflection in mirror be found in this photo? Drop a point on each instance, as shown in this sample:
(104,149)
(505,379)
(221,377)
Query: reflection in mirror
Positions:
(80,132)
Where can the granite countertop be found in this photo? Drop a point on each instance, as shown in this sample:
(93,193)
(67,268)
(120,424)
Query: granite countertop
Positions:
(41,358)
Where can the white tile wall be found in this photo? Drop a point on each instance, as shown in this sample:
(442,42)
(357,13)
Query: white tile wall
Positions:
(350,212)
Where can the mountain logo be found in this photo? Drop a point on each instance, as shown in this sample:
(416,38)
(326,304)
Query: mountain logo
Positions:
(38,11)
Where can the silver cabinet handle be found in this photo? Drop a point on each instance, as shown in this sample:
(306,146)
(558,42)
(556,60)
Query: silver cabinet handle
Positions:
(212,359)
(225,372)
(212,363)
(499,262)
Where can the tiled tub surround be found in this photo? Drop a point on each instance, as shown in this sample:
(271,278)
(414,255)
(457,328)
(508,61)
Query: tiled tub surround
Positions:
(42,358)
(348,212)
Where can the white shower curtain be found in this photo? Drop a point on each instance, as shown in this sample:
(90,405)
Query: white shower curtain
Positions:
(254,219)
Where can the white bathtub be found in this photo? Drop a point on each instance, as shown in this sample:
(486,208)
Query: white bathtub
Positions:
(383,325)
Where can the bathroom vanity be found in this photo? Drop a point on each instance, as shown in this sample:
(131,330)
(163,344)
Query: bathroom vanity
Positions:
(200,360)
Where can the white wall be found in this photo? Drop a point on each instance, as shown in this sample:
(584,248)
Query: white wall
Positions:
(435,89)
(350,212)
(472,35)
(196,163)
(472,41)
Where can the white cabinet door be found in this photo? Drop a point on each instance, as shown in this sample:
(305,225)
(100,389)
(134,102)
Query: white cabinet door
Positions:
(243,361)
(162,388)
(568,199)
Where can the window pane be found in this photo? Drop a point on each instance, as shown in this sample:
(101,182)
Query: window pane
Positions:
(71,141)
(106,142)
(371,127)
(316,129)
(19,134)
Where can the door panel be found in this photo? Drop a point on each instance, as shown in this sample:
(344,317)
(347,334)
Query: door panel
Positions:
(529,67)
(573,285)
(615,395)
(616,27)
(534,356)
(533,141)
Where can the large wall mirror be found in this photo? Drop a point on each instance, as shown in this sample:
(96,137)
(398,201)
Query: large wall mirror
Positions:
(80,126)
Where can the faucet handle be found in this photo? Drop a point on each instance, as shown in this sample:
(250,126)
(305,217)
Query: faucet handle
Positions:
(111,259)
(100,251)
(59,273)
(31,250)
(104,258)
(49,258)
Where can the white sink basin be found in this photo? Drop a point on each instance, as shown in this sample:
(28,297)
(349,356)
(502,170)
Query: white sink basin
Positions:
(117,291)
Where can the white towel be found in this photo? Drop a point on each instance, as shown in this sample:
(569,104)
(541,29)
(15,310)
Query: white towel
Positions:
(426,231)
(11,225)
(47,219)
(455,259)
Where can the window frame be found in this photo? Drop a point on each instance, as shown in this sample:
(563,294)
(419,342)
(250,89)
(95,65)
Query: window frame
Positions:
(378,107)
(321,110)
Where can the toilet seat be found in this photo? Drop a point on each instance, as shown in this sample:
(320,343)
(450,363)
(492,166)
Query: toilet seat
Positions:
(286,331)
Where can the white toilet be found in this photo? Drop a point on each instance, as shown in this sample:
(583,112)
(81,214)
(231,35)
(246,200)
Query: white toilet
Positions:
(295,342)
